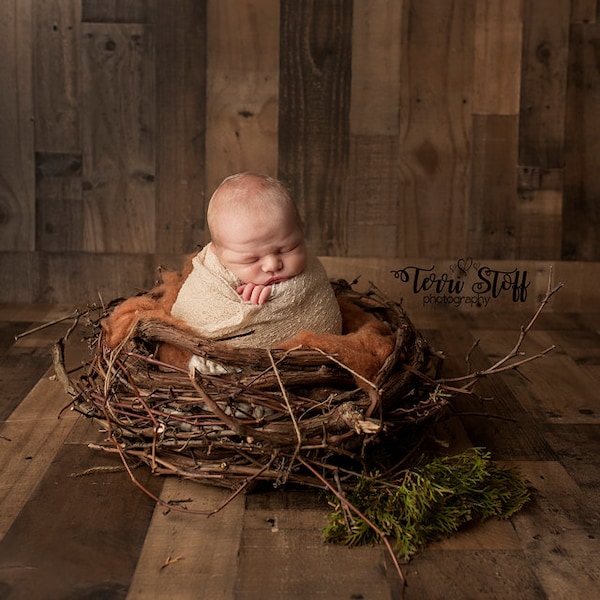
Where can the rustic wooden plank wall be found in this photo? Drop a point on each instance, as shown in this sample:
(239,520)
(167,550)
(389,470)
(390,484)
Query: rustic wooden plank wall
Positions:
(409,128)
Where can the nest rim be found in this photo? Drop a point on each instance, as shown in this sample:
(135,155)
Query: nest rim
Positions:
(193,427)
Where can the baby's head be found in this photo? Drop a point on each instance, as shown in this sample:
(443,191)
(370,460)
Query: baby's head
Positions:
(256,230)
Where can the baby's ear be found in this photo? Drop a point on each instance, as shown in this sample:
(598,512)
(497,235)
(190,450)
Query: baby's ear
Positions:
(212,247)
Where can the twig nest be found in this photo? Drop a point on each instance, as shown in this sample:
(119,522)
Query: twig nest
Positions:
(266,411)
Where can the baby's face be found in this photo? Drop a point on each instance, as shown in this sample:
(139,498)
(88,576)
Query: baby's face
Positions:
(261,250)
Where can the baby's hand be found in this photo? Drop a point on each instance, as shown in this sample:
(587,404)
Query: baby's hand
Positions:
(253,293)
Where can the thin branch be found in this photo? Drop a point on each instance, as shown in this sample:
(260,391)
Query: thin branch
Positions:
(348,505)
(341,364)
(289,408)
(507,362)
(74,315)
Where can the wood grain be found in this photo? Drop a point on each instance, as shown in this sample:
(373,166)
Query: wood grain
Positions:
(119,137)
(242,87)
(376,55)
(117,275)
(373,190)
(498,40)
(99,536)
(181,108)
(557,540)
(118,11)
(187,555)
(33,425)
(279,531)
(435,135)
(581,222)
(115,515)
(584,11)
(554,385)
(57,56)
(373,181)
(17,200)
(544,83)
(404,129)
(492,208)
(59,202)
(314,105)
(539,212)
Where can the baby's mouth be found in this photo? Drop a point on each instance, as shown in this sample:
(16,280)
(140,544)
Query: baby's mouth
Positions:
(275,280)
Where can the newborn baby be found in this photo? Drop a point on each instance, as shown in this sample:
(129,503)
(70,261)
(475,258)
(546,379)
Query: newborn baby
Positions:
(254,284)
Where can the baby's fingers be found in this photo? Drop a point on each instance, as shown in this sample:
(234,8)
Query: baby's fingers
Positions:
(263,295)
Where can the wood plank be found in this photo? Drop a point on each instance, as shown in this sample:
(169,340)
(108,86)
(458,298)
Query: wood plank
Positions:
(376,53)
(472,574)
(20,369)
(8,331)
(495,418)
(581,212)
(314,105)
(57,72)
(492,205)
(88,278)
(118,11)
(494,534)
(119,137)
(579,291)
(242,88)
(31,437)
(373,190)
(498,47)
(544,83)
(38,312)
(555,389)
(539,212)
(577,451)
(59,203)
(286,535)
(19,277)
(78,277)
(559,537)
(180,105)
(90,545)
(590,320)
(435,136)
(581,345)
(24,362)
(203,550)
(583,11)
(17,195)
(373,185)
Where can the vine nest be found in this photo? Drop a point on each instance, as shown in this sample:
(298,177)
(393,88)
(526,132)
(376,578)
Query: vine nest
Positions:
(285,416)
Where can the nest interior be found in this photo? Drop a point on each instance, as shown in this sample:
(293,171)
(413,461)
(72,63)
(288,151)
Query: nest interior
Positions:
(270,415)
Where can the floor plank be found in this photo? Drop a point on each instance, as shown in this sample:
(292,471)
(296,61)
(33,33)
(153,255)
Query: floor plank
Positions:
(98,536)
(30,438)
(76,537)
(189,555)
(282,534)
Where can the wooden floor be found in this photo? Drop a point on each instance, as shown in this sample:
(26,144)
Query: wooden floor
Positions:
(71,536)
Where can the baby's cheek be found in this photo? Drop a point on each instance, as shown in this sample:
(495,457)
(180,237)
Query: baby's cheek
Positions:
(297,265)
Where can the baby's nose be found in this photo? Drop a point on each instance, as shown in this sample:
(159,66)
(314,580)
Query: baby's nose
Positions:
(271,263)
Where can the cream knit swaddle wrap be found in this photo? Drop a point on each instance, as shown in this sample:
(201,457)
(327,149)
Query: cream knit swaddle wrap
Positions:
(208,302)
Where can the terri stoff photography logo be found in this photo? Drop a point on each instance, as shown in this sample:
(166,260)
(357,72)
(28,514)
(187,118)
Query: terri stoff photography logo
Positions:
(465,283)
